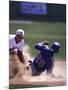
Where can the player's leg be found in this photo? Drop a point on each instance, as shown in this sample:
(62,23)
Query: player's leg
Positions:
(50,66)
(34,69)
(38,65)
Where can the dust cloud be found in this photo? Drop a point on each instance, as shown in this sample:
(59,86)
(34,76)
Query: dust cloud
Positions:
(24,75)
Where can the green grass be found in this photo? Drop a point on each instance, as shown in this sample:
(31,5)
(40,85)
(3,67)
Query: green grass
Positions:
(26,86)
(40,31)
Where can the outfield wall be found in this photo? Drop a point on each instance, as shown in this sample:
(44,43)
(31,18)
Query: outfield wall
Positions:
(54,12)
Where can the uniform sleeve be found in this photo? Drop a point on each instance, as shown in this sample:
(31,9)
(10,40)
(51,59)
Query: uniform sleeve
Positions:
(11,40)
(21,46)
(10,44)
(39,47)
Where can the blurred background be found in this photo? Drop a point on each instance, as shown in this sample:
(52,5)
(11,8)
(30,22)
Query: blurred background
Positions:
(40,21)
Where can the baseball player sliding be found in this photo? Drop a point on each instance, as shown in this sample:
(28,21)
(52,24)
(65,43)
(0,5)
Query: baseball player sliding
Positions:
(45,59)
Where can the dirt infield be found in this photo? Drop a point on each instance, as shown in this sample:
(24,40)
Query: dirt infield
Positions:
(25,79)
(59,78)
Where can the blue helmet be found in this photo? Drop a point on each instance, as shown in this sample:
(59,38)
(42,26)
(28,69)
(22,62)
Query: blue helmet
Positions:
(55,47)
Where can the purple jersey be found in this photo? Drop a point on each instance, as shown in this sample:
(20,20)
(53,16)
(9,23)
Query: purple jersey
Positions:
(44,59)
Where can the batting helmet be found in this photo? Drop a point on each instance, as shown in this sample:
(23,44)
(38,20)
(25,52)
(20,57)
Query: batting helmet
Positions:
(55,47)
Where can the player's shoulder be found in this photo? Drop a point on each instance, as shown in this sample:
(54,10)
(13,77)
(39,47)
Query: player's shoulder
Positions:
(22,41)
(11,36)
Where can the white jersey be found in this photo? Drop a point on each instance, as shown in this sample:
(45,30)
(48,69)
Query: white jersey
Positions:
(12,44)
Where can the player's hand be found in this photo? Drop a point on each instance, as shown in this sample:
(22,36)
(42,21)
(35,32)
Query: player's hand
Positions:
(14,51)
(45,42)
